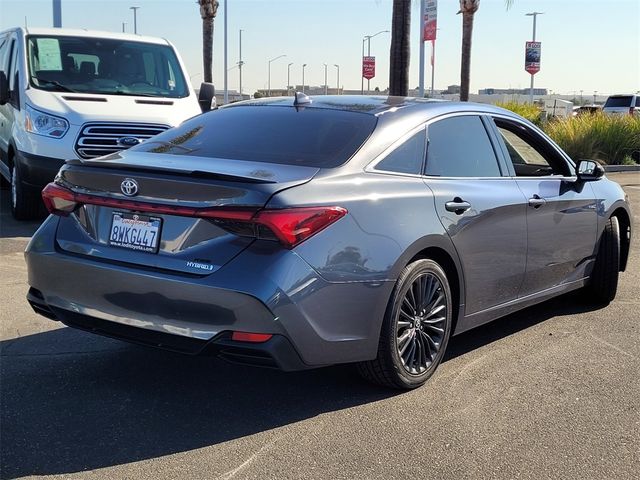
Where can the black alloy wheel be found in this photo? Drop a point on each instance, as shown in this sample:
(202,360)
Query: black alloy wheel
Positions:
(415,330)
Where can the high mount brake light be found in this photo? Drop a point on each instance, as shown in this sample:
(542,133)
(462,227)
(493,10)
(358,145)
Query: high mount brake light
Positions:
(290,226)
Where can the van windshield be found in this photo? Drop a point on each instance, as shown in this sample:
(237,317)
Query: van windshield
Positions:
(104,66)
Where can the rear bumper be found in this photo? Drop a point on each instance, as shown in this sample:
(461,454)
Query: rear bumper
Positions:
(277,352)
(37,170)
(280,294)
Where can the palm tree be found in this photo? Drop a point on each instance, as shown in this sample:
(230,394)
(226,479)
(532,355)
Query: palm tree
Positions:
(208,11)
(468,8)
(399,54)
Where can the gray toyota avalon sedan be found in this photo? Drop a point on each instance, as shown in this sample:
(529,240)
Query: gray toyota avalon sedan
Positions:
(300,232)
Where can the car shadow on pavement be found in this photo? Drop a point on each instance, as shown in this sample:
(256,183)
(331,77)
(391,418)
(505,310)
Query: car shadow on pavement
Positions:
(10,228)
(72,401)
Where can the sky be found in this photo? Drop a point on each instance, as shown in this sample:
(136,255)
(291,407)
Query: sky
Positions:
(589,45)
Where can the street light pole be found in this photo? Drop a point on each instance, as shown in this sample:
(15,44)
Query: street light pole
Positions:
(240,64)
(123,25)
(303,67)
(269,73)
(367,38)
(338,79)
(326,86)
(289,77)
(595,92)
(534,15)
(135,18)
(226,56)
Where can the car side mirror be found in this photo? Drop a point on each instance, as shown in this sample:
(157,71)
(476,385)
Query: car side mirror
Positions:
(207,96)
(589,170)
(4,89)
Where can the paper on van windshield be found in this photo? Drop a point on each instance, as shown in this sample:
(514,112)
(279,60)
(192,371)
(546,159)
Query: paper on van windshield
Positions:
(49,54)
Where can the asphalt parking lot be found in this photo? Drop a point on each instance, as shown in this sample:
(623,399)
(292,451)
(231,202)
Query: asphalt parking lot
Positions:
(550,392)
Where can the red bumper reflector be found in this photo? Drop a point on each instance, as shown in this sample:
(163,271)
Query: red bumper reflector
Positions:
(250,337)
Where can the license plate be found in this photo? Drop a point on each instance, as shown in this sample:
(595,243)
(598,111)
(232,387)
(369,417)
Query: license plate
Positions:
(136,232)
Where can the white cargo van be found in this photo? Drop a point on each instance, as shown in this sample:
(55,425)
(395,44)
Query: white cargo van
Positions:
(81,94)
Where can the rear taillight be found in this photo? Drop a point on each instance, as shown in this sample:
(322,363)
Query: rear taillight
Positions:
(290,226)
(59,200)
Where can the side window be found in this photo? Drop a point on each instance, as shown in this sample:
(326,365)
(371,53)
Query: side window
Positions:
(13,77)
(638,101)
(460,147)
(407,158)
(4,50)
(528,158)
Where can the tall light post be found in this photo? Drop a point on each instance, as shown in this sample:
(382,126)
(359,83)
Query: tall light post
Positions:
(581,102)
(595,93)
(367,38)
(57,14)
(326,87)
(338,78)
(534,15)
(289,77)
(240,64)
(269,73)
(304,65)
(124,24)
(135,18)
(226,57)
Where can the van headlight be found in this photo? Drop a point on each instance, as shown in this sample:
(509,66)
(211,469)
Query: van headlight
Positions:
(42,123)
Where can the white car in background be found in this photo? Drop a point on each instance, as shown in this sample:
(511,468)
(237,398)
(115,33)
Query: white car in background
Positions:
(622,105)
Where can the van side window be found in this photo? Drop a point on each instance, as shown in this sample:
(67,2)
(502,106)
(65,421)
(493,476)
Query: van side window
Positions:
(14,89)
(4,50)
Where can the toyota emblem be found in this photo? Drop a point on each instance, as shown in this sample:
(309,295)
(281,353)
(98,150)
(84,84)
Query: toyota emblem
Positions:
(129,187)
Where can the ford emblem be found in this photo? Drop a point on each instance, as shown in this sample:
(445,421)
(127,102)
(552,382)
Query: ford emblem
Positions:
(129,187)
(128,141)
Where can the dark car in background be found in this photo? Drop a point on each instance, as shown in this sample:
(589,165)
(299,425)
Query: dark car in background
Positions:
(303,232)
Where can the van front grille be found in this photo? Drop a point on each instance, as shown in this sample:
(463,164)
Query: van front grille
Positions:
(97,139)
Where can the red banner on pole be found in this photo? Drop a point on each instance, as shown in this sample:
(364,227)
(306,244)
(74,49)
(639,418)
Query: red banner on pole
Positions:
(430,20)
(368,67)
(532,57)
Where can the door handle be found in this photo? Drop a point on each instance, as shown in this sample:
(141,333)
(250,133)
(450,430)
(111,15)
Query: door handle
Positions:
(536,201)
(457,206)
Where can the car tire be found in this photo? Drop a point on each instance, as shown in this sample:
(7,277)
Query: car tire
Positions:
(603,282)
(25,205)
(419,317)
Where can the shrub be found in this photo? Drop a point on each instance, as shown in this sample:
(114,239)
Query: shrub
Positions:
(609,139)
(526,110)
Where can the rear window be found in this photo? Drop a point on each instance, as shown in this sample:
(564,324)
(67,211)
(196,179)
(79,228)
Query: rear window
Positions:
(307,136)
(619,102)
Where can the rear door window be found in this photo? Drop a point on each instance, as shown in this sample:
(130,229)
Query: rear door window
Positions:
(312,137)
(460,147)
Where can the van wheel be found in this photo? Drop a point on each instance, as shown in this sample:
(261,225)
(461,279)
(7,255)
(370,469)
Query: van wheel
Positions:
(25,205)
(415,330)
(603,282)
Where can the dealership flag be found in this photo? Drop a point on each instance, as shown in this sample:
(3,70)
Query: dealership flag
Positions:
(368,67)
(430,20)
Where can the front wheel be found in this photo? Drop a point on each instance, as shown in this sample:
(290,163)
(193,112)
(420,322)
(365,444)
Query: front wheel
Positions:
(415,330)
(25,204)
(603,282)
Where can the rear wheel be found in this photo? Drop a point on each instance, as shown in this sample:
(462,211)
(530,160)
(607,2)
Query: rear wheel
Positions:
(25,204)
(603,282)
(415,330)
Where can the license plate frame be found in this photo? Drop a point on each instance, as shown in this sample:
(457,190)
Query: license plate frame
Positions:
(143,233)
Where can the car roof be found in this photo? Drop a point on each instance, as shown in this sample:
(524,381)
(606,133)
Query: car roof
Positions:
(70,32)
(378,105)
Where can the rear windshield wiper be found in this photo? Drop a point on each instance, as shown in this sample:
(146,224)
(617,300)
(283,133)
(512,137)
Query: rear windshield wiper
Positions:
(54,83)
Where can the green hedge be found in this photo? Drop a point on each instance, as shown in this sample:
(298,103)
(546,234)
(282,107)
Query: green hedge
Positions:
(610,139)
